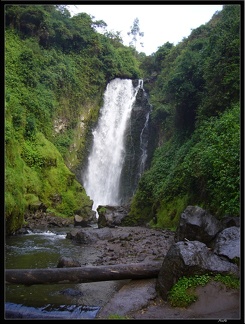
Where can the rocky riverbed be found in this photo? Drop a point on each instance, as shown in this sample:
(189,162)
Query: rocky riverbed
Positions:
(121,245)
(138,299)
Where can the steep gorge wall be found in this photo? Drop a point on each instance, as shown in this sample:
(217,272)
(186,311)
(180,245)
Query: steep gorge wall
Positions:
(79,149)
(138,136)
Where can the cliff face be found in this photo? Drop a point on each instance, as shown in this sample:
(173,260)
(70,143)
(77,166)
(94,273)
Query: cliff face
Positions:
(137,150)
(81,140)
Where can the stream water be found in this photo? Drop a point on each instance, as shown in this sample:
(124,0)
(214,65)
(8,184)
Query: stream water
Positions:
(65,301)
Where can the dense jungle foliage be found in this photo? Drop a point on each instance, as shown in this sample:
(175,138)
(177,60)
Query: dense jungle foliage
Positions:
(56,70)
(196,111)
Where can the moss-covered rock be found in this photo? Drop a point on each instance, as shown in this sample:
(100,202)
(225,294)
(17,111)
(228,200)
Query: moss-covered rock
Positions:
(38,177)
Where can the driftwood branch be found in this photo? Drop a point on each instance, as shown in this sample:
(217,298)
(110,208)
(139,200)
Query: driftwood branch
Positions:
(82,274)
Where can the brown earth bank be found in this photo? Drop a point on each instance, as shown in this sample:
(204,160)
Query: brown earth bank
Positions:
(138,299)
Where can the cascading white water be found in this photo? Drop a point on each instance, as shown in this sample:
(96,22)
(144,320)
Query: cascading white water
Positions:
(101,179)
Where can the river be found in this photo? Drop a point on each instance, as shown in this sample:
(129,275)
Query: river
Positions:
(66,301)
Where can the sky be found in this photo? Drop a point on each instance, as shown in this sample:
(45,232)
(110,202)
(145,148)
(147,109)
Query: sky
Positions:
(160,23)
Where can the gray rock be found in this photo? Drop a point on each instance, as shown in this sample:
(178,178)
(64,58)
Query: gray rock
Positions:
(229,221)
(187,259)
(196,224)
(89,235)
(80,221)
(65,262)
(134,295)
(111,216)
(227,243)
(80,236)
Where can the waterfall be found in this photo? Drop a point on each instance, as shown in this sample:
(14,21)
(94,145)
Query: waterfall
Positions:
(101,179)
(143,145)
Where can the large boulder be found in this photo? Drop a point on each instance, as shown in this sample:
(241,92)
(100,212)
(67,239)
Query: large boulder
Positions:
(188,258)
(111,216)
(80,221)
(229,221)
(227,243)
(196,224)
(202,245)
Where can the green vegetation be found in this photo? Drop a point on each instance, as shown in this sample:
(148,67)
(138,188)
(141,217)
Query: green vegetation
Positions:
(56,71)
(182,294)
(228,280)
(196,113)
(101,210)
(57,68)
(116,316)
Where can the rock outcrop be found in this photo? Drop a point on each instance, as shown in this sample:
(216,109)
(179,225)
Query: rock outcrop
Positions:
(188,259)
(137,138)
(202,246)
(111,216)
(197,224)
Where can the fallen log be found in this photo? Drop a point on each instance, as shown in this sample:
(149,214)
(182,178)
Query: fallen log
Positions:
(82,274)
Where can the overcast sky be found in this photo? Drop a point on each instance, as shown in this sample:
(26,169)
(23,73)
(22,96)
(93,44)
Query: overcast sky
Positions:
(160,23)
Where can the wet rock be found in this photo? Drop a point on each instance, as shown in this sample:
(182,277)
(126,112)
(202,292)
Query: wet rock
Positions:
(65,262)
(71,292)
(23,230)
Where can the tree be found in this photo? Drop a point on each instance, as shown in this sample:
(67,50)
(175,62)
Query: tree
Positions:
(160,56)
(135,33)
(115,38)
